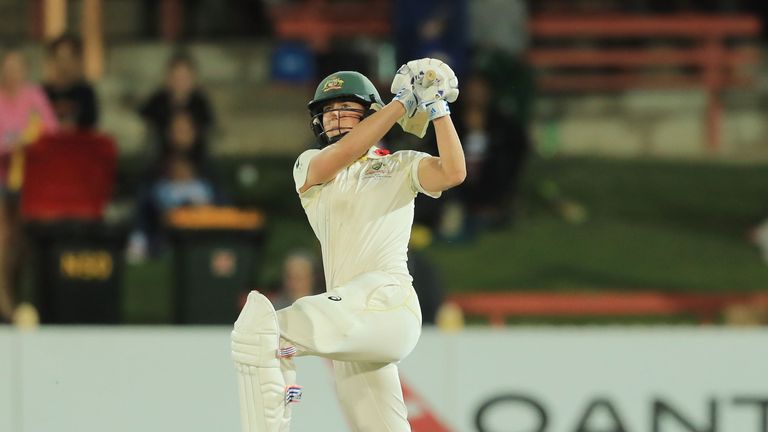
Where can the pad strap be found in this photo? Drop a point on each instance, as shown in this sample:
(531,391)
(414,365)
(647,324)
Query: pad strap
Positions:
(286,352)
(293,394)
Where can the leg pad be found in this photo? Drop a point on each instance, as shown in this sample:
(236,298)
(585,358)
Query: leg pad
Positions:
(255,343)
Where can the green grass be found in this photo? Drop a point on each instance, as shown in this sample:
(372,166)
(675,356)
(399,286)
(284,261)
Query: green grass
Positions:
(663,225)
(677,226)
(700,196)
(548,254)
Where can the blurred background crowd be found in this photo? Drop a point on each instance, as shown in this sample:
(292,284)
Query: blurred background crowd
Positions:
(616,156)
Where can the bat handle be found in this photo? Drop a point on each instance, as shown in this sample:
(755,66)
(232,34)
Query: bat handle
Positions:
(429,77)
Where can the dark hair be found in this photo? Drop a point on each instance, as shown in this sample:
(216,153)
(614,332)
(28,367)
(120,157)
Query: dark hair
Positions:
(182,58)
(72,40)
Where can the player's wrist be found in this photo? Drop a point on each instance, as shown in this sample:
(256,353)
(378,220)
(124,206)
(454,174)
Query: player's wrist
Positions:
(407,97)
(400,106)
(437,109)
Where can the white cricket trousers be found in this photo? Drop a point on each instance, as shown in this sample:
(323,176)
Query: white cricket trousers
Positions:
(365,327)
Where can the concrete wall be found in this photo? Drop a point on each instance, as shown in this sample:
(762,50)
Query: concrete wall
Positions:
(127,379)
(8,385)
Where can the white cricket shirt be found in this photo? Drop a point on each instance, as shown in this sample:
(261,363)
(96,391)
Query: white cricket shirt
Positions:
(363,217)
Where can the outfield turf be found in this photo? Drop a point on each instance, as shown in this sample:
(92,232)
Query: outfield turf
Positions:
(677,226)
(662,225)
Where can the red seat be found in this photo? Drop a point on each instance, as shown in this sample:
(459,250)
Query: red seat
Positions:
(711,60)
(69,175)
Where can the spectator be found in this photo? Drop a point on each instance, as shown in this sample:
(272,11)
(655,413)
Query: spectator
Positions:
(185,140)
(300,278)
(72,97)
(183,143)
(496,145)
(180,93)
(24,114)
(180,186)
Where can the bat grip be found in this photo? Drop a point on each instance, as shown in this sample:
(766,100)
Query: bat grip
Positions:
(429,78)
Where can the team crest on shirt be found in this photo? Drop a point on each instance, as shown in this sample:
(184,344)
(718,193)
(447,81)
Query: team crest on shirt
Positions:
(334,83)
(378,169)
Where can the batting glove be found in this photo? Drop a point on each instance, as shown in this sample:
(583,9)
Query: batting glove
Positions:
(407,97)
(433,80)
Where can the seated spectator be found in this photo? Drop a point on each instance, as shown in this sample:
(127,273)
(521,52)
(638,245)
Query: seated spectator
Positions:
(301,277)
(180,93)
(72,97)
(496,146)
(184,140)
(24,115)
(180,186)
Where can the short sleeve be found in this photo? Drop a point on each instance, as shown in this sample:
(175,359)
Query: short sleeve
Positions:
(301,167)
(414,158)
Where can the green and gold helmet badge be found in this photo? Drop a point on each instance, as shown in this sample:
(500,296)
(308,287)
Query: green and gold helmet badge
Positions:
(334,83)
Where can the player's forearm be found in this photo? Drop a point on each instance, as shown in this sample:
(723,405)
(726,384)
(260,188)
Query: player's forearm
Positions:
(355,144)
(451,154)
(369,132)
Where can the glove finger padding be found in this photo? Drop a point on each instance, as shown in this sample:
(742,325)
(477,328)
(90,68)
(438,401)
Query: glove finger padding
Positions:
(445,82)
(402,79)
(402,87)
(430,96)
(451,83)
(418,70)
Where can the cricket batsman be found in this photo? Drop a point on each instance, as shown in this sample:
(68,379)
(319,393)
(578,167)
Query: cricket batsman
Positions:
(359,200)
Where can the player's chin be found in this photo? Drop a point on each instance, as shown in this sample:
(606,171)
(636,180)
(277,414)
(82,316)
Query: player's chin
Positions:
(338,131)
(336,135)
